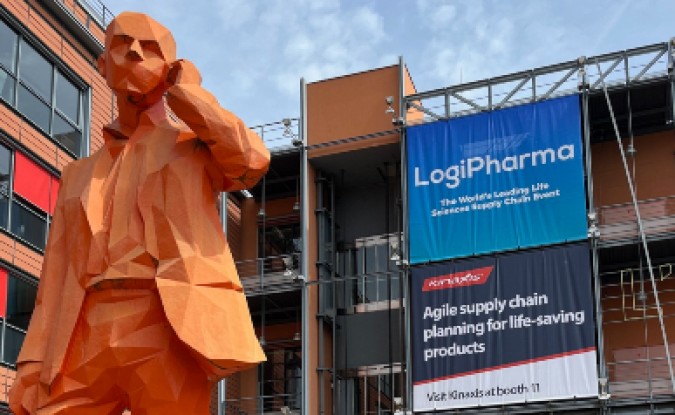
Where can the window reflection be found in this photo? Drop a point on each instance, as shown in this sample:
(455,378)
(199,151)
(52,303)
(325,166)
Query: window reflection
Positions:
(35,71)
(66,134)
(20,302)
(28,225)
(13,342)
(4,210)
(5,165)
(6,87)
(8,41)
(67,98)
(33,108)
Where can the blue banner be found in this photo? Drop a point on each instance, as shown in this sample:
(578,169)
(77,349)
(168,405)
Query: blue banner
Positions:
(495,181)
(502,329)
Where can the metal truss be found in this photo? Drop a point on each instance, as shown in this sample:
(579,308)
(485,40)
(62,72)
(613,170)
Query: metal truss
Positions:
(617,69)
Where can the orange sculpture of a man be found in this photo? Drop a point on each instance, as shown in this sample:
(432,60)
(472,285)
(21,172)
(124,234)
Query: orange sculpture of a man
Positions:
(139,305)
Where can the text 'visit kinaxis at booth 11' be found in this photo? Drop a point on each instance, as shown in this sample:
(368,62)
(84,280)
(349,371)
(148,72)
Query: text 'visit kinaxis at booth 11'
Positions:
(495,181)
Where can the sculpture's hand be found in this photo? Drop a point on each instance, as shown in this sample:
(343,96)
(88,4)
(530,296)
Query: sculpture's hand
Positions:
(187,99)
(183,71)
(24,393)
(238,153)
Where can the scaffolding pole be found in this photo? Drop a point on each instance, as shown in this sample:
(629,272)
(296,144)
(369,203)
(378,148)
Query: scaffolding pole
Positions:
(222,395)
(304,218)
(405,256)
(643,237)
(592,216)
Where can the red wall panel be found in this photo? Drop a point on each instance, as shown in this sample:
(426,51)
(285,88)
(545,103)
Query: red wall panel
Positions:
(32,182)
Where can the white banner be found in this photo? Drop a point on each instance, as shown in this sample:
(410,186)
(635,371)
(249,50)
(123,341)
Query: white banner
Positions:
(566,377)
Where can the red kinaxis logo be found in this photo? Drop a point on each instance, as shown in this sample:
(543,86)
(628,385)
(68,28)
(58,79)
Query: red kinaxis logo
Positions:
(476,276)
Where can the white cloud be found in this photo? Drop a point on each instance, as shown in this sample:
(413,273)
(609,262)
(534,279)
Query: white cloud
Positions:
(252,53)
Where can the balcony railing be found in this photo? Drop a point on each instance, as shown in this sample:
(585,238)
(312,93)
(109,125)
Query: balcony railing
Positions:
(98,11)
(279,136)
(270,274)
(369,274)
(639,372)
(634,349)
(281,404)
(618,223)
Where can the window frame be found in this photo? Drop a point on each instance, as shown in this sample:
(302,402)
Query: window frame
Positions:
(59,70)
(27,205)
(4,325)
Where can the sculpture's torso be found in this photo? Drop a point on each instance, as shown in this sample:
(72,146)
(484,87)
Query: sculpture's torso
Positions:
(136,199)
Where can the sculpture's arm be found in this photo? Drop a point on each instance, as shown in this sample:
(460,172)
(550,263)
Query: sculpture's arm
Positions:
(241,157)
(23,395)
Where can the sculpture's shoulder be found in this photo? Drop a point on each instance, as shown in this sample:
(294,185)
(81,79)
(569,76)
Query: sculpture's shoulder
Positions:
(80,170)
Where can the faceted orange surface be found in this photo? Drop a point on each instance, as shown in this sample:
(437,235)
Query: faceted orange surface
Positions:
(139,304)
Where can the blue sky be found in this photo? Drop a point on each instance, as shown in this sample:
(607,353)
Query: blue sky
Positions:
(252,53)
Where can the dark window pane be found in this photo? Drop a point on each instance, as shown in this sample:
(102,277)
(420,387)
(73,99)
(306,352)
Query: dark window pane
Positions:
(4,209)
(28,225)
(36,71)
(34,109)
(7,87)
(67,98)
(20,302)
(13,342)
(67,135)
(7,46)
(5,168)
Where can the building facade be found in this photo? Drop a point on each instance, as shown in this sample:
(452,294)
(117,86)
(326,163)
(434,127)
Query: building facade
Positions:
(323,242)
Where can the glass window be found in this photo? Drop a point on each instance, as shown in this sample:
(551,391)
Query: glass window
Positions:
(67,98)
(4,210)
(43,90)
(66,134)
(13,342)
(28,225)
(36,71)
(8,40)
(5,169)
(33,108)
(6,86)
(20,302)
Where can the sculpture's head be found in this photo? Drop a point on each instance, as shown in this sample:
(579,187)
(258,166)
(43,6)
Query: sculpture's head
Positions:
(138,55)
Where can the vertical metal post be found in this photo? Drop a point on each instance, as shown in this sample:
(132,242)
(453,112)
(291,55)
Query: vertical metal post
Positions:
(671,69)
(592,214)
(405,260)
(333,291)
(222,383)
(304,219)
(85,116)
(321,232)
(261,246)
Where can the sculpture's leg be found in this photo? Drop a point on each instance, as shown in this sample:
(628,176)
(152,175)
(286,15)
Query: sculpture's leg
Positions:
(170,384)
(171,381)
(154,372)
(126,355)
